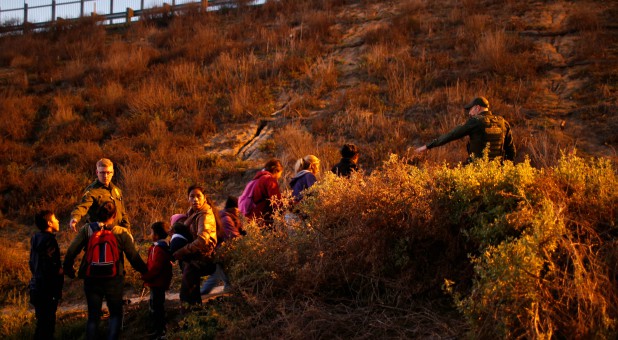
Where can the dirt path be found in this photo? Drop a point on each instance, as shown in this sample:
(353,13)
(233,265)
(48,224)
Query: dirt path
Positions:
(131,300)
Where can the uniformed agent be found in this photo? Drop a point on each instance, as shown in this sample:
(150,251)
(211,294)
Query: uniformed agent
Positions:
(485,130)
(99,192)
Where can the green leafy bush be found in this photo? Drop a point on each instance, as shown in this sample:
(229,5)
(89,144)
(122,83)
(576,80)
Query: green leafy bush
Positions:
(522,252)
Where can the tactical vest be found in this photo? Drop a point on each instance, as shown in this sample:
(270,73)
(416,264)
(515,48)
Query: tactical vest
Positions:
(489,135)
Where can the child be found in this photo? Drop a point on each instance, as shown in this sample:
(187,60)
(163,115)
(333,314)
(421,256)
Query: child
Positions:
(181,236)
(47,275)
(159,276)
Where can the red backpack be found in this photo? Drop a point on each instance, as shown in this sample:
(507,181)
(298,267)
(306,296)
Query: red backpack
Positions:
(102,253)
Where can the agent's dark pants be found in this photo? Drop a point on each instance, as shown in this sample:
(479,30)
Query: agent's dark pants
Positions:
(190,284)
(45,311)
(157,309)
(96,290)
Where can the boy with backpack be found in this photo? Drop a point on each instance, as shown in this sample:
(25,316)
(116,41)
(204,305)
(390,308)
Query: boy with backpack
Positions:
(47,279)
(158,277)
(102,267)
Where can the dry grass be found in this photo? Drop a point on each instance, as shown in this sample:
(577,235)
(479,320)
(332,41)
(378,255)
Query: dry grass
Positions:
(149,97)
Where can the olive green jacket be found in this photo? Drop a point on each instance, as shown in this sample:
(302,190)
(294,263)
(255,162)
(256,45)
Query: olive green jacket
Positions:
(126,247)
(485,130)
(96,195)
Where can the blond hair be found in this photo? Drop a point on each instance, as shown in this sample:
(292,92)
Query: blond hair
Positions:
(305,163)
(104,163)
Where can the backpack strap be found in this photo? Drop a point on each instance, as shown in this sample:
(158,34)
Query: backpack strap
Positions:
(93,228)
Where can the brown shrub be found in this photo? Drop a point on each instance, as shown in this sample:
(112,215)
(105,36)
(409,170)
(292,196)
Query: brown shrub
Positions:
(151,97)
(505,55)
(78,157)
(125,62)
(109,98)
(583,17)
(17,116)
(14,152)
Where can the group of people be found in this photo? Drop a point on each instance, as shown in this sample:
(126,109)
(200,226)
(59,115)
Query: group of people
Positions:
(195,235)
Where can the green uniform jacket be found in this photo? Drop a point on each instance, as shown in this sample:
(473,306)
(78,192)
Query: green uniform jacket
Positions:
(126,247)
(483,128)
(96,195)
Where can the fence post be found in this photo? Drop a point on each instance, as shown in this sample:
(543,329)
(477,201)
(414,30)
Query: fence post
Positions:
(53,8)
(111,10)
(81,8)
(25,13)
(129,15)
(141,5)
(204,5)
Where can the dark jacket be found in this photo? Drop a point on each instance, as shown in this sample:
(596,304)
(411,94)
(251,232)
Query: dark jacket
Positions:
(265,190)
(96,195)
(159,266)
(482,129)
(303,180)
(126,247)
(45,265)
(231,223)
(344,167)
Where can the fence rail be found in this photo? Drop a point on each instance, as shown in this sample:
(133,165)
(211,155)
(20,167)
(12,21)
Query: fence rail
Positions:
(108,17)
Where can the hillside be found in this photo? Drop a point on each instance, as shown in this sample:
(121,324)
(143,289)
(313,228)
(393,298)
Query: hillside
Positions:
(210,97)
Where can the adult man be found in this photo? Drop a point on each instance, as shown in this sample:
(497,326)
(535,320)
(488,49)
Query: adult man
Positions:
(109,286)
(485,130)
(99,192)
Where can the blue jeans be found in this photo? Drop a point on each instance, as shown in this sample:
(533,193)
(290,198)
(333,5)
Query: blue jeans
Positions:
(111,290)
(214,279)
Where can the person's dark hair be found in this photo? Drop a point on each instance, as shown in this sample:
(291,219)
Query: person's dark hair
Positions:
(105,212)
(349,150)
(41,218)
(273,166)
(160,228)
(213,207)
(182,229)
(196,186)
(231,202)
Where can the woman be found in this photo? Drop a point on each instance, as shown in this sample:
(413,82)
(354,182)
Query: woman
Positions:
(266,192)
(205,227)
(306,168)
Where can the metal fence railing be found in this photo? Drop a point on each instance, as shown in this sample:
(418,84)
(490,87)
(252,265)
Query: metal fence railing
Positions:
(39,11)
(38,14)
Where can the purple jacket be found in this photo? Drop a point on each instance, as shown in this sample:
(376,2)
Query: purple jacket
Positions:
(303,180)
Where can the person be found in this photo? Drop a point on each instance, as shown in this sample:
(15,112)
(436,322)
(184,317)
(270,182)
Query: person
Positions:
(232,227)
(158,277)
(305,168)
(348,162)
(485,130)
(110,288)
(205,225)
(99,192)
(47,276)
(266,193)
(181,236)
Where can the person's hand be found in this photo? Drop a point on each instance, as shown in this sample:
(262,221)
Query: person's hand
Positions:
(179,254)
(73,224)
(421,149)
